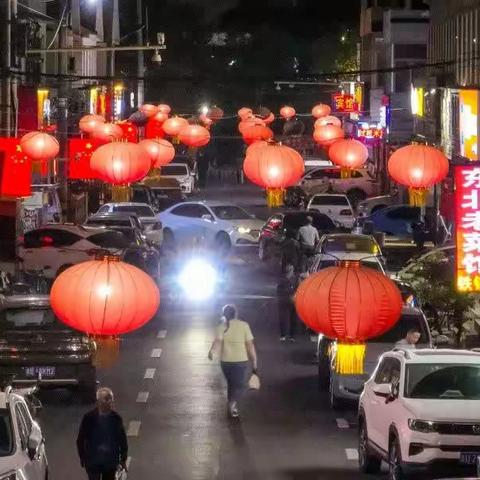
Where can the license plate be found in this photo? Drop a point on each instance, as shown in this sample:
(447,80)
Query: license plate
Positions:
(469,458)
(41,372)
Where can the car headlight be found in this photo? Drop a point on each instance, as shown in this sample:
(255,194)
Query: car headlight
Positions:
(423,426)
(242,230)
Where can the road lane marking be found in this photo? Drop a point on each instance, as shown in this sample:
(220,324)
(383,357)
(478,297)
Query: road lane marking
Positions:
(150,373)
(142,397)
(352,454)
(162,334)
(156,352)
(133,428)
(342,423)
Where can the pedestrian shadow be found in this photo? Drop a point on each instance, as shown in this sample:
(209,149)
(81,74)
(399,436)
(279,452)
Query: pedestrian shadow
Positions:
(324,474)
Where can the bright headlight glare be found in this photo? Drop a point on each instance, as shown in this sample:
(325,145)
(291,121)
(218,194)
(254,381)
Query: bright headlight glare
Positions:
(243,229)
(198,279)
(423,426)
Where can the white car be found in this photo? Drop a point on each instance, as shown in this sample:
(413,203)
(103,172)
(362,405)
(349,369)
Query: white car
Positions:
(210,223)
(332,258)
(22,446)
(358,186)
(182,173)
(350,243)
(336,206)
(420,409)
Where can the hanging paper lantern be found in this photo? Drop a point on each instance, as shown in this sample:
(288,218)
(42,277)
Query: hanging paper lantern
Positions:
(253,147)
(107,132)
(245,113)
(120,163)
(173,125)
(348,154)
(262,113)
(207,122)
(161,152)
(88,123)
(328,120)
(255,133)
(104,297)
(215,114)
(149,110)
(287,112)
(321,110)
(160,117)
(194,136)
(249,122)
(270,119)
(418,167)
(39,146)
(163,108)
(350,303)
(328,134)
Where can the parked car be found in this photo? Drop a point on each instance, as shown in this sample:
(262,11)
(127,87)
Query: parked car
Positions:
(332,259)
(371,205)
(22,445)
(36,348)
(336,206)
(182,173)
(349,387)
(350,243)
(212,223)
(357,187)
(311,163)
(274,230)
(419,410)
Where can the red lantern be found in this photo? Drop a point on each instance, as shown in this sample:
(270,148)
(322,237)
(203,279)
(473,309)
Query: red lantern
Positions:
(88,123)
(418,167)
(321,110)
(215,114)
(120,163)
(270,119)
(107,132)
(104,297)
(328,134)
(245,113)
(207,122)
(287,112)
(249,122)
(160,117)
(255,133)
(163,108)
(328,120)
(161,152)
(173,125)
(255,146)
(149,110)
(348,153)
(39,146)
(194,136)
(350,303)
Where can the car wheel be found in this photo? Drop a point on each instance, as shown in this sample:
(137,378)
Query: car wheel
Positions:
(168,239)
(335,402)
(395,469)
(223,242)
(367,462)
(356,195)
(63,268)
(377,208)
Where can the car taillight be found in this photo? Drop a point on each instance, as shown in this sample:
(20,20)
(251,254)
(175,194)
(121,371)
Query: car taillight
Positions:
(274,223)
(46,241)
(345,212)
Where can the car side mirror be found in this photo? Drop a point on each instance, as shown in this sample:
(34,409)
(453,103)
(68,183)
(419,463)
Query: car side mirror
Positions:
(34,441)
(383,390)
(207,217)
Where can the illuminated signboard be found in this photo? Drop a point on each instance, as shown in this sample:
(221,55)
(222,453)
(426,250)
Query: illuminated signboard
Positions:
(370,132)
(469,123)
(343,102)
(417,101)
(467,206)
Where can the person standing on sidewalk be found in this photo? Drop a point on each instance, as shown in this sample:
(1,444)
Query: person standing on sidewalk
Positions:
(234,339)
(287,315)
(309,238)
(102,442)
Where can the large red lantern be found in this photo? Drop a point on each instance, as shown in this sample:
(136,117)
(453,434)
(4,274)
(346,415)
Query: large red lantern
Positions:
(160,117)
(418,167)
(350,303)
(328,120)
(107,132)
(173,125)
(215,114)
(249,122)
(207,122)
(255,133)
(245,113)
(88,123)
(149,110)
(194,136)
(163,108)
(255,146)
(39,146)
(161,152)
(104,297)
(321,110)
(287,112)
(120,163)
(348,154)
(328,135)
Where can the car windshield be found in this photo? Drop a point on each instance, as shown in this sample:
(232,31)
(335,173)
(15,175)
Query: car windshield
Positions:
(330,200)
(443,381)
(140,210)
(321,222)
(14,318)
(6,433)
(174,170)
(400,329)
(350,243)
(109,239)
(230,212)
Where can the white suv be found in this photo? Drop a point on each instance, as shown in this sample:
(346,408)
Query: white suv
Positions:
(421,410)
(22,446)
(335,206)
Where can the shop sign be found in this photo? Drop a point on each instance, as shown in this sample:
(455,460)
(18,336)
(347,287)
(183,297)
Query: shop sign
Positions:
(417,101)
(469,124)
(370,132)
(344,103)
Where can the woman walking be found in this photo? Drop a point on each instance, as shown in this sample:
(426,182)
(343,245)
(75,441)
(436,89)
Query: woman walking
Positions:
(234,339)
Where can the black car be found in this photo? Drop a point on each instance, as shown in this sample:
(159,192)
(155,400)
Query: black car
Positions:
(275,229)
(35,347)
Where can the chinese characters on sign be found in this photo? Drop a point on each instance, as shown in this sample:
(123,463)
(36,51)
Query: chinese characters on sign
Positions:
(468,100)
(343,102)
(467,204)
(370,132)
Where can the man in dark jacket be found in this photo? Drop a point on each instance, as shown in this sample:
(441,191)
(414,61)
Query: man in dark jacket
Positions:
(287,314)
(102,442)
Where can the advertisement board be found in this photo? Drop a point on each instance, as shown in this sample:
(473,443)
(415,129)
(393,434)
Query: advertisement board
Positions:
(468,104)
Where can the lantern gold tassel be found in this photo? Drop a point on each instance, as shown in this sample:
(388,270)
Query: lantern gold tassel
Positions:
(417,196)
(121,193)
(349,359)
(345,173)
(274,197)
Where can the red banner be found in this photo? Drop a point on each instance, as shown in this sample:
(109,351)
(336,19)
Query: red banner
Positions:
(130,131)
(153,129)
(79,152)
(15,169)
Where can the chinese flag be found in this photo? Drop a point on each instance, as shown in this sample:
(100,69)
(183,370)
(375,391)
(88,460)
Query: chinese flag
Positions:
(79,152)
(15,170)
(154,129)
(130,131)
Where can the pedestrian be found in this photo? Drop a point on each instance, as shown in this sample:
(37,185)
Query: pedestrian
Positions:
(234,339)
(410,341)
(309,238)
(287,314)
(290,250)
(102,442)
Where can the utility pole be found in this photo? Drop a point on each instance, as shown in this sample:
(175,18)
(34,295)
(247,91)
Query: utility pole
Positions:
(115,38)
(140,55)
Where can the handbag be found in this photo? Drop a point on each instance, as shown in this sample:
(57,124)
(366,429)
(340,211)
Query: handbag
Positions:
(121,474)
(254,382)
